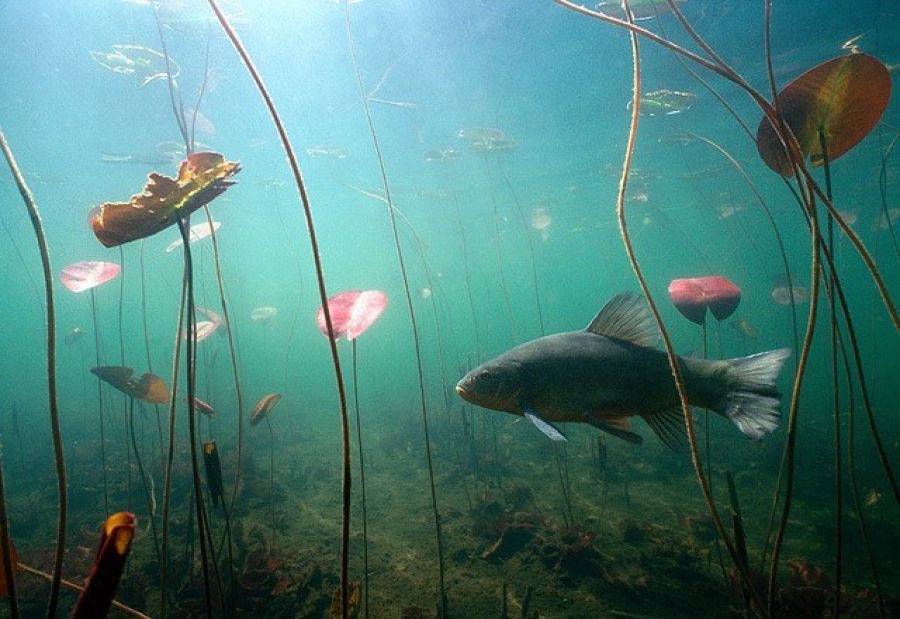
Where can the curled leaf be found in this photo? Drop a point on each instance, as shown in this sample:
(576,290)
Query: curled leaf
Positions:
(201,178)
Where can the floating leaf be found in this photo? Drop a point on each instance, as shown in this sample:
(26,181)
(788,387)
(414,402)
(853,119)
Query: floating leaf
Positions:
(352,312)
(263,314)
(201,178)
(144,63)
(196,233)
(264,407)
(81,276)
(843,98)
(692,296)
(148,387)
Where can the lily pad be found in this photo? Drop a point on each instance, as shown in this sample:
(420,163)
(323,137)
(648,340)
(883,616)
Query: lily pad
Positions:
(264,407)
(201,178)
(842,98)
(148,387)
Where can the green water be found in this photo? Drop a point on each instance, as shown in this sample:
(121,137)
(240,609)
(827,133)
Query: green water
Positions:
(576,535)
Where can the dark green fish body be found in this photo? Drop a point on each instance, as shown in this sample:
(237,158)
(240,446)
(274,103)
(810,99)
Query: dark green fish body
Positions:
(609,372)
(567,374)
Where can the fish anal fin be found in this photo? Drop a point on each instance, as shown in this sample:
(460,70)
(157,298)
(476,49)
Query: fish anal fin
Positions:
(669,427)
(618,426)
(626,317)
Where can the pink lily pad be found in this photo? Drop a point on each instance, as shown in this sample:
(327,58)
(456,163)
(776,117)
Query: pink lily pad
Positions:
(692,296)
(81,276)
(352,312)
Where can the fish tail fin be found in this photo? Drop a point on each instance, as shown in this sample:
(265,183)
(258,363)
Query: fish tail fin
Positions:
(752,400)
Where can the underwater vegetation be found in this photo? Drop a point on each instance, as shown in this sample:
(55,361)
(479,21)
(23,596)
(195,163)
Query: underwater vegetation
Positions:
(403,219)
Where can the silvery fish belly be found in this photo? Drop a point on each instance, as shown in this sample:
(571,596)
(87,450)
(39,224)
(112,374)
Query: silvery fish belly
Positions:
(610,372)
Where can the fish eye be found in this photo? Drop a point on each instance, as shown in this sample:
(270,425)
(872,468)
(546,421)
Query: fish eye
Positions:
(484,375)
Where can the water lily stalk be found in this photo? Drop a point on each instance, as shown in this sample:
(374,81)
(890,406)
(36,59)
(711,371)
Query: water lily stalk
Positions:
(53,403)
(323,295)
(442,610)
(7,551)
(68,584)
(638,271)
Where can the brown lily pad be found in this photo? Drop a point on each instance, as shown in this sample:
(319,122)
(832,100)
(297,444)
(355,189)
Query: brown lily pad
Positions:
(201,178)
(843,98)
(264,407)
(149,387)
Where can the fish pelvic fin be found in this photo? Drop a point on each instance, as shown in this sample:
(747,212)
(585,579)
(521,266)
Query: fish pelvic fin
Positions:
(617,427)
(669,427)
(545,426)
(752,400)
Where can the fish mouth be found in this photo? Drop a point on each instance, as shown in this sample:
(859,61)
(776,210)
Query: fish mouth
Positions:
(461,392)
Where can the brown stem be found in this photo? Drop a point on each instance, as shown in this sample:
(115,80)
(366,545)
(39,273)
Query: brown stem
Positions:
(320,278)
(53,404)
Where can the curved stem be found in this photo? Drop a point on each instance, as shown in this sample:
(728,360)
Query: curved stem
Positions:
(6,551)
(815,275)
(101,413)
(673,362)
(442,611)
(190,361)
(362,480)
(320,277)
(52,399)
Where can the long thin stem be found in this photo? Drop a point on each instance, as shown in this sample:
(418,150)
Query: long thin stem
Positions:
(68,584)
(100,411)
(170,458)
(673,363)
(140,465)
(362,480)
(815,275)
(6,550)
(190,347)
(323,295)
(412,316)
(52,400)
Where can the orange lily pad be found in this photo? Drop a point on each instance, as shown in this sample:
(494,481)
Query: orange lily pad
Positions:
(149,387)
(264,407)
(843,98)
(201,178)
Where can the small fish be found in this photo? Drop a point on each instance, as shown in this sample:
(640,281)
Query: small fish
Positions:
(610,372)
(745,328)
(73,335)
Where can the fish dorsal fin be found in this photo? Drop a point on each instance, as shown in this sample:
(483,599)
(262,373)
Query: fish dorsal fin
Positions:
(626,317)
(669,427)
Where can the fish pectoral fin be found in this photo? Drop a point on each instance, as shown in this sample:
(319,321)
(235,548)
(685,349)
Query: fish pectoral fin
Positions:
(544,426)
(669,427)
(626,317)
(619,427)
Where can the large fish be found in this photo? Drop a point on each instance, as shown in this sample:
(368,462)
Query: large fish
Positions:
(610,372)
